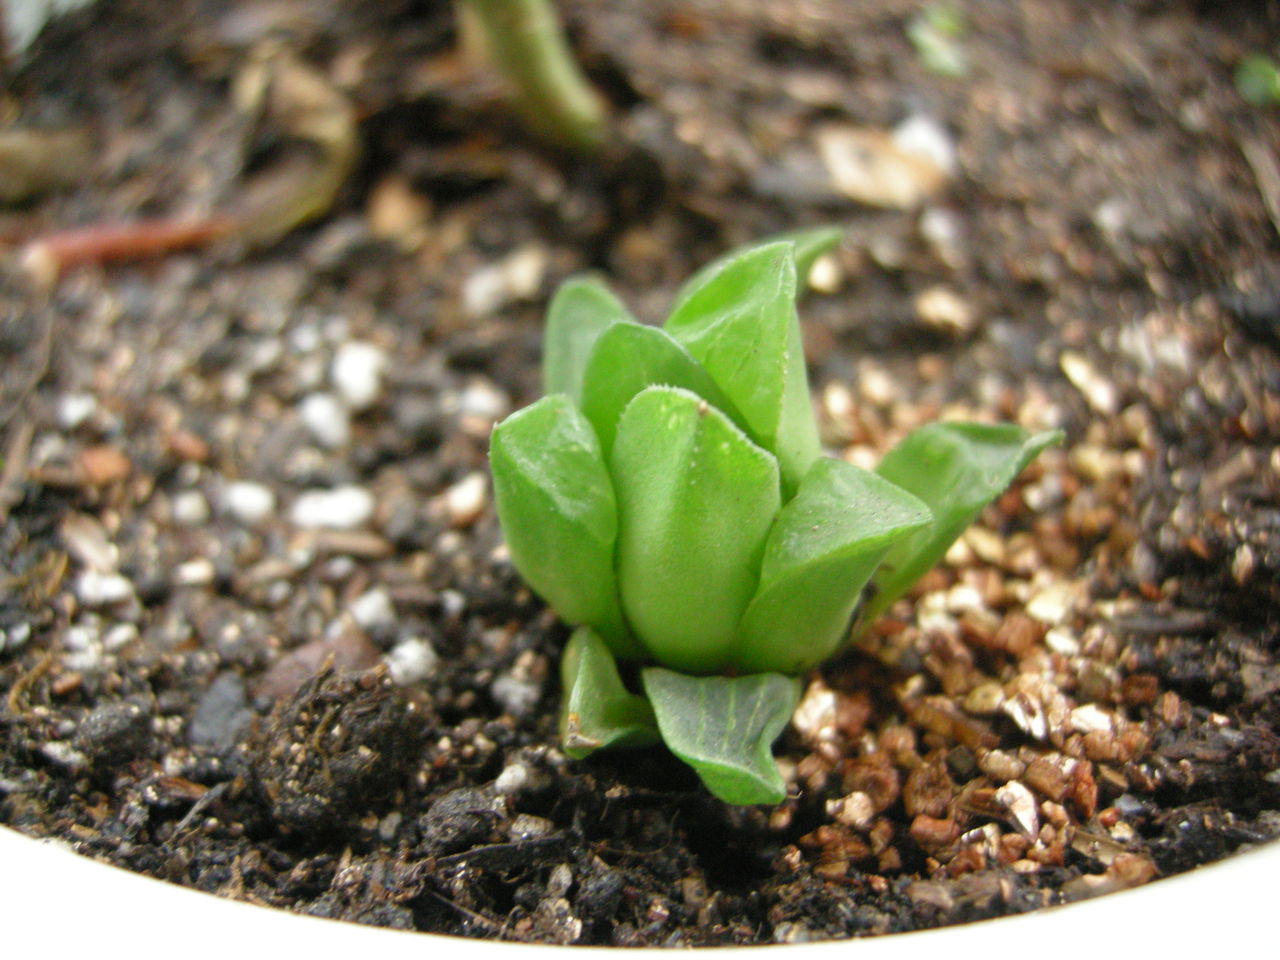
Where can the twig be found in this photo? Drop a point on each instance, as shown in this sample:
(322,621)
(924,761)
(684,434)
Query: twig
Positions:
(1267,174)
(523,40)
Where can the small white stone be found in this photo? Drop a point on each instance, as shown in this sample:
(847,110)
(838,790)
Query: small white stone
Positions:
(248,503)
(943,309)
(119,637)
(922,136)
(357,372)
(16,637)
(453,602)
(342,508)
(482,399)
(515,693)
(856,810)
(198,572)
(190,508)
(815,715)
(411,661)
(1021,804)
(326,419)
(512,779)
(1091,718)
(514,278)
(373,609)
(74,409)
(466,500)
(97,589)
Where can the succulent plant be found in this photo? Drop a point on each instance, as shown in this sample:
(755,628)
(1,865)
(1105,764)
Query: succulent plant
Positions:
(669,498)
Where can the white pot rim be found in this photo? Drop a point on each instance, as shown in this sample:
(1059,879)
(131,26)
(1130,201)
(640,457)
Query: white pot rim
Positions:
(51,896)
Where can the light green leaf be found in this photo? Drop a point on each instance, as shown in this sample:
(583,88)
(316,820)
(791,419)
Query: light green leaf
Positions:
(810,243)
(597,710)
(956,469)
(695,499)
(581,310)
(556,506)
(724,727)
(629,357)
(823,548)
(741,325)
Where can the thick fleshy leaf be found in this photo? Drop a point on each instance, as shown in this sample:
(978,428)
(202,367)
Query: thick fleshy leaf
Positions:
(629,357)
(810,243)
(597,710)
(724,727)
(581,310)
(741,325)
(695,500)
(556,506)
(956,469)
(822,550)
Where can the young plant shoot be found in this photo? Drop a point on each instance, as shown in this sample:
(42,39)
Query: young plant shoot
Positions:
(668,498)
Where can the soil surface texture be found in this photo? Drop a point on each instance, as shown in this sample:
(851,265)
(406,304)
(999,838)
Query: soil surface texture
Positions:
(258,632)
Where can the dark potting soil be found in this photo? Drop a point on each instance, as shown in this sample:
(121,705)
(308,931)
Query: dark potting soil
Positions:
(258,634)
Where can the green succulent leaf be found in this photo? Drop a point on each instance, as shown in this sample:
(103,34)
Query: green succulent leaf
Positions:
(629,357)
(695,500)
(810,243)
(822,550)
(581,310)
(724,727)
(956,469)
(597,710)
(556,506)
(741,325)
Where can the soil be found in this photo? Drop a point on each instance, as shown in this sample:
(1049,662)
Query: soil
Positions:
(346,706)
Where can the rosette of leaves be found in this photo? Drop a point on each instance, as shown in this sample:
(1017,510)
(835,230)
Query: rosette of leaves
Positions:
(668,497)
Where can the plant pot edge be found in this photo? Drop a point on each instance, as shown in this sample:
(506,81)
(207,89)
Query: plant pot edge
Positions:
(51,894)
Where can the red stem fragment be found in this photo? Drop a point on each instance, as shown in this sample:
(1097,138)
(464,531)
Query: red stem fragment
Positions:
(45,258)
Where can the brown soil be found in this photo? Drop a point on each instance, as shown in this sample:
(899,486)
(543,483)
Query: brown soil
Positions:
(1081,699)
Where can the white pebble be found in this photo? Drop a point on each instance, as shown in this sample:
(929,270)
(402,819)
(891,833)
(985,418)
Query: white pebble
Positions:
(925,137)
(190,508)
(97,589)
(357,373)
(466,499)
(512,779)
(248,503)
(412,660)
(75,408)
(373,609)
(16,637)
(342,508)
(119,637)
(198,572)
(326,419)
(517,695)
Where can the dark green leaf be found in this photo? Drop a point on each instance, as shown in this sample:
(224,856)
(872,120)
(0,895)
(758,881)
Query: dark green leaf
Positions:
(741,325)
(581,310)
(724,728)
(956,469)
(629,357)
(556,506)
(823,548)
(696,499)
(597,710)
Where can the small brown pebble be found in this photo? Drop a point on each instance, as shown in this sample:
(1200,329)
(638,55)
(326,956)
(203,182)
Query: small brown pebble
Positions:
(188,446)
(102,466)
(1139,689)
(933,833)
(1046,778)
